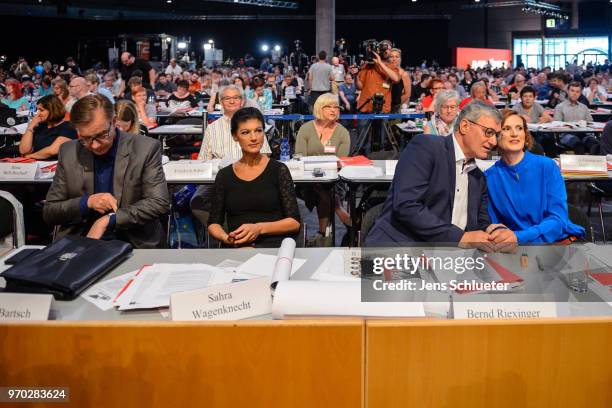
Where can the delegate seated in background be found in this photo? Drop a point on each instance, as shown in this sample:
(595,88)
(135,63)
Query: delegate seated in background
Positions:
(108,184)
(47,130)
(445,107)
(14,96)
(572,110)
(438,194)
(528,108)
(127,117)
(526,191)
(324,136)
(255,195)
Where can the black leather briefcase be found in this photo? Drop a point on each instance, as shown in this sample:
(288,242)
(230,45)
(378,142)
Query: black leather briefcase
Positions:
(66,267)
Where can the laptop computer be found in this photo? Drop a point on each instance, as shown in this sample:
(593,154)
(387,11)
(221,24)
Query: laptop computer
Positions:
(8,117)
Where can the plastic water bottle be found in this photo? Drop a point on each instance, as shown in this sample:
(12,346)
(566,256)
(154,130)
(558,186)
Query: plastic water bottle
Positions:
(285,152)
(32,107)
(201,105)
(419,110)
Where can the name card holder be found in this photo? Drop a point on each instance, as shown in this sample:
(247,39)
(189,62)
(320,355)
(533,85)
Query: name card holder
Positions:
(390,166)
(18,171)
(572,163)
(233,301)
(188,170)
(296,167)
(515,306)
(25,307)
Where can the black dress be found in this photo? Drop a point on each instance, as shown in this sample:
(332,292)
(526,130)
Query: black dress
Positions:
(267,198)
(44,136)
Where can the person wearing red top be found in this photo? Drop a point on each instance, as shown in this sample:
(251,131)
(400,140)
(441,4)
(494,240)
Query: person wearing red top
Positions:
(478,91)
(435,86)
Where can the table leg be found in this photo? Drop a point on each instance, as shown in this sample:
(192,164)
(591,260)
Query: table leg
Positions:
(332,215)
(352,201)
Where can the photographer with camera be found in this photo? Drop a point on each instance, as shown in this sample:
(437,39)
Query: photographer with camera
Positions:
(375,79)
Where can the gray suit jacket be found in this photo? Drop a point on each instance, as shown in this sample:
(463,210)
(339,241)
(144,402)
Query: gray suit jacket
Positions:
(139,185)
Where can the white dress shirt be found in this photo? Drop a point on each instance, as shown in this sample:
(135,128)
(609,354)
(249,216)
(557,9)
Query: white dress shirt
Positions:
(460,202)
(218,142)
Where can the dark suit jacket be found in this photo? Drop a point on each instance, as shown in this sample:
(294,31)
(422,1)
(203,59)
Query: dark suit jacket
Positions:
(419,205)
(139,185)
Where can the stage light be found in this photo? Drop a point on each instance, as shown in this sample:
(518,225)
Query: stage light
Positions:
(169,1)
(211,41)
(182,45)
(207,46)
(277,47)
(265,47)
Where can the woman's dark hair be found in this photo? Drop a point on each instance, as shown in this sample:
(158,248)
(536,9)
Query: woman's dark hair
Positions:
(257,82)
(56,108)
(244,114)
(528,89)
(183,84)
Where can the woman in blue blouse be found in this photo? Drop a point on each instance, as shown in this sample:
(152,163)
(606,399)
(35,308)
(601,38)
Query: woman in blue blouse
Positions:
(526,191)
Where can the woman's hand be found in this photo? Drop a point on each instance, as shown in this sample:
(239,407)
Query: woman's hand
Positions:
(246,233)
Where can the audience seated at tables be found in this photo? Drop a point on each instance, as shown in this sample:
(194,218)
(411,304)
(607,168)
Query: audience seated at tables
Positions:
(594,92)
(164,86)
(517,85)
(467,81)
(496,86)
(45,86)
(446,110)
(15,98)
(477,92)
(530,110)
(571,110)
(347,93)
(78,88)
(126,117)
(173,69)
(324,136)
(111,84)
(61,90)
(260,95)
(435,86)
(146,111)
(540,83)
(526,191)
(421,88)
(135,82)
(254,197)
(444,199)
(195,86)
(47,130)
(181,99)
(126,193)
(131,66)
(454,81)
(93,86)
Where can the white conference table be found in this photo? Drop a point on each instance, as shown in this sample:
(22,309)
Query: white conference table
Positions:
(569,303)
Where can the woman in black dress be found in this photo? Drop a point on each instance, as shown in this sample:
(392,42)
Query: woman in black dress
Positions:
(254,197)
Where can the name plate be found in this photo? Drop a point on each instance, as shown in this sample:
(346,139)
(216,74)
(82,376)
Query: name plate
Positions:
(188,170)
(390,166)
(18,171)
(233,301)
(296,167)
(23,306)
(504,310)
(583,163)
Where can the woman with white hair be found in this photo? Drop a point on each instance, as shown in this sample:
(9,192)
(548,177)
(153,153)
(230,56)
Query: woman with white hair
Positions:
(445,114)
(324,136)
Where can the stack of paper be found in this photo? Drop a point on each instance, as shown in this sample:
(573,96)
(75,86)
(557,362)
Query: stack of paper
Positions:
(583,166)
(320,162)
(361,172)
(355,161)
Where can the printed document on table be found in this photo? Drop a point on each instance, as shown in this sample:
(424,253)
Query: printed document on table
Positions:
(153,287)
(102,294)
(263,265)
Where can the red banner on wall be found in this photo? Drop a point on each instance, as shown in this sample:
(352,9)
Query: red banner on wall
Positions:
(480,57)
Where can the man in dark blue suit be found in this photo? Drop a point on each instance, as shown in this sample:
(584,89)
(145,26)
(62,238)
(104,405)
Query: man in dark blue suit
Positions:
(438,194)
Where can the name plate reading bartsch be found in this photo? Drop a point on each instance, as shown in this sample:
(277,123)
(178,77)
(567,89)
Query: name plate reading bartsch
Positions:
(23,306)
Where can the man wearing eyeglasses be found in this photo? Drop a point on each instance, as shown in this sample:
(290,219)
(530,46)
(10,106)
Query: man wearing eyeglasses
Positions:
(108,184)
(438,194)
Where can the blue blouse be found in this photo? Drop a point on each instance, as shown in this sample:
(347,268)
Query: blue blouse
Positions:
(16,104)
(530,199)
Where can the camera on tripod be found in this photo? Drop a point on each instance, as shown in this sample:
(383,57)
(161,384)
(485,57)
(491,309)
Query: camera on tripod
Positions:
(369,47)
(378,103)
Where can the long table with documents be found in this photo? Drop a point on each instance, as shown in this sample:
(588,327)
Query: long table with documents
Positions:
(159,321)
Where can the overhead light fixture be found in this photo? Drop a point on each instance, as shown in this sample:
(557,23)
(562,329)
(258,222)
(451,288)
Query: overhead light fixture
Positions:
(265,47)
(182,45)
(207,46)
(277,47)
(169,1)
(168,39)
(263,3)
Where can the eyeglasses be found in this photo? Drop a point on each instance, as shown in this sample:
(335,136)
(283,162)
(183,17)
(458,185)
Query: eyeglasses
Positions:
(449,107)
(231,98)
(489,132)
(331,107)
(88,140)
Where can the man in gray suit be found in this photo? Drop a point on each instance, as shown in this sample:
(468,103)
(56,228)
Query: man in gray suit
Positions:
(108,184)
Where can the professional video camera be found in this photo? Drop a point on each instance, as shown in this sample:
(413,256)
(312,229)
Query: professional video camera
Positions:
(378,103)
(369,47)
